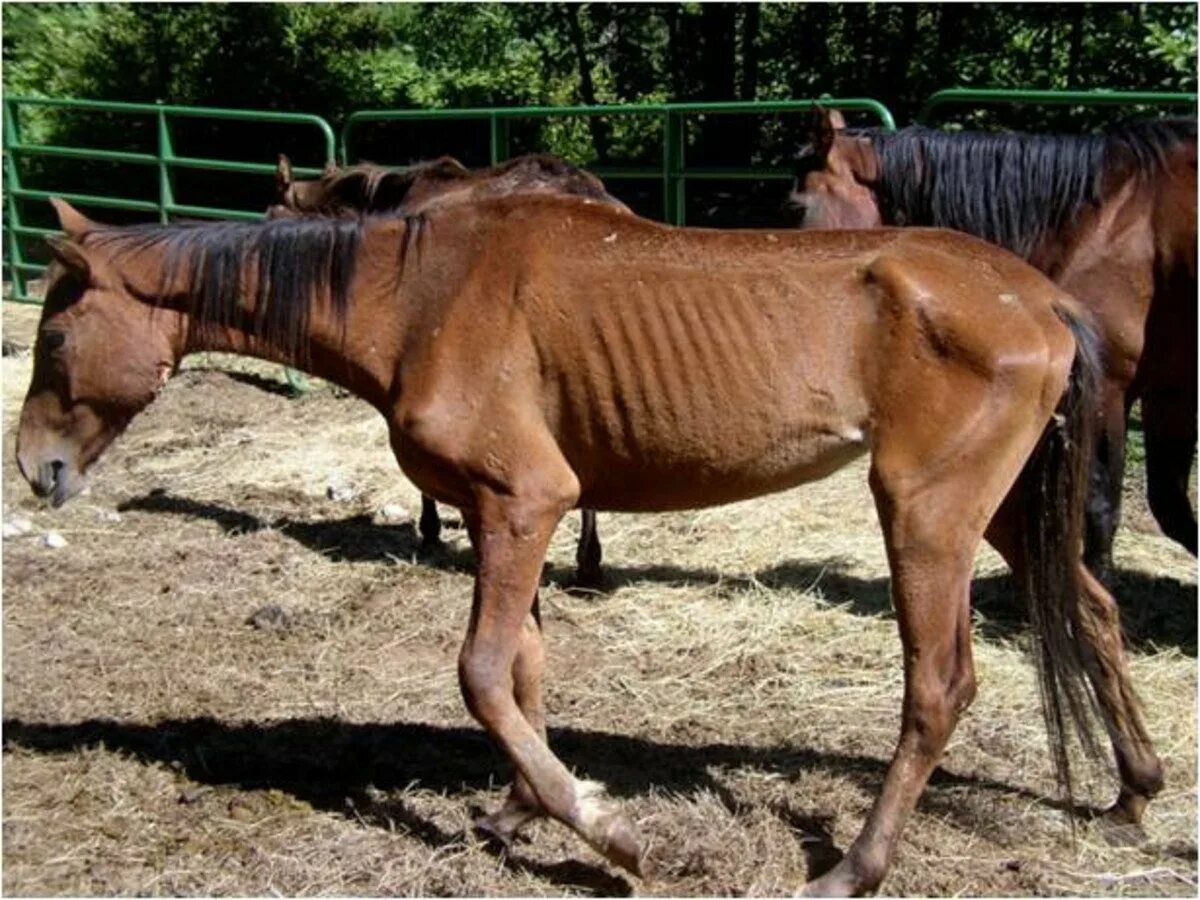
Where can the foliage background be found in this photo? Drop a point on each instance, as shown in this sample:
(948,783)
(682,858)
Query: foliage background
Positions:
(331,59)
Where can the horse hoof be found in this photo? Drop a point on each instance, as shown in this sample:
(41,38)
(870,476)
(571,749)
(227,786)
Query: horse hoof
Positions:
(1121,827)
(824,887)
(840,881)
(494,834)
(589,581)
(624,847)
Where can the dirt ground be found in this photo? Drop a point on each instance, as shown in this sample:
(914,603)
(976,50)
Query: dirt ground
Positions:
(227,683)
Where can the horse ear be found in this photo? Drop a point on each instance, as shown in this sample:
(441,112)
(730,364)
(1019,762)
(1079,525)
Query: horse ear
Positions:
(71,220)
(70,254)
(823,128)
(283,173)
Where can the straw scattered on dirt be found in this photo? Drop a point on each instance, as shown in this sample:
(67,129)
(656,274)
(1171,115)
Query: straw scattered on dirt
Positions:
(228,683)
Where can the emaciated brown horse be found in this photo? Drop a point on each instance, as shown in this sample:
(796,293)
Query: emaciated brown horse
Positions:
(533,354)
(416,189)
(1112,219)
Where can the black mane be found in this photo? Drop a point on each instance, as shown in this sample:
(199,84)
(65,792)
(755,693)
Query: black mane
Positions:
(1012,189)
(370,188)
(292,263)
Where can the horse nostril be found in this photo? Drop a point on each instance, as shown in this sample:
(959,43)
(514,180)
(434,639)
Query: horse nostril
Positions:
(48,474)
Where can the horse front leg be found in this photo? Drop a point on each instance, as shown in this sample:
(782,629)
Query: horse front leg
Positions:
(521,805)
(589,553)
(500,668)
(430,524)
(1169,425)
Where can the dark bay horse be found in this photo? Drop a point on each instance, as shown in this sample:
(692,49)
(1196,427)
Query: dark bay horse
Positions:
(368,188)
(1112,219)
(534,354)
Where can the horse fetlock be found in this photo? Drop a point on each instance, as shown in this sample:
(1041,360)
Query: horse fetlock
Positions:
(503,826)
(849,878)
(1121,824)
(602,824)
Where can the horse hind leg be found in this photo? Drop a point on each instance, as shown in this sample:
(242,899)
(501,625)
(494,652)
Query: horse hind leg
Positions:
(1106,668)
(1140,769)
(1103,512)
(931,554)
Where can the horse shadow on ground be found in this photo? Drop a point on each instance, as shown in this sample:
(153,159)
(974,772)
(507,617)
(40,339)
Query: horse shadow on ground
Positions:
(1156,611)
(350,768)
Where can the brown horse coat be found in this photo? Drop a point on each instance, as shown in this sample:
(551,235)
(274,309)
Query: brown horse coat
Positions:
(1112,219)
(420,188)
(534,354)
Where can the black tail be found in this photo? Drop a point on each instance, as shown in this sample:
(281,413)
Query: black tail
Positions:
(1055,487)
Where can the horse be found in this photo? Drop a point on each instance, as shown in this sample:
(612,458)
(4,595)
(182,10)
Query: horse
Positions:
(1111,218)
(531,354)
(367,188)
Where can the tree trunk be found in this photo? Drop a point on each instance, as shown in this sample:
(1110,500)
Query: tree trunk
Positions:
(587,88)
(1075,56)
(750,26)
(722,141)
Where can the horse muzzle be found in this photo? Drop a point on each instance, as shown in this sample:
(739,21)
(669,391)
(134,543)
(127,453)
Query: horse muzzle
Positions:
(52,479)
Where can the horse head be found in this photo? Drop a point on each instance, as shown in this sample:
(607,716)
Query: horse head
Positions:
(835,175)
(101,355)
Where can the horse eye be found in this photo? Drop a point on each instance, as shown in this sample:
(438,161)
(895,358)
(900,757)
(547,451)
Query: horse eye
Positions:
(52,340)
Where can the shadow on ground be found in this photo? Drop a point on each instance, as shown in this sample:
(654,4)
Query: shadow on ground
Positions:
(1157,611)
(344,767)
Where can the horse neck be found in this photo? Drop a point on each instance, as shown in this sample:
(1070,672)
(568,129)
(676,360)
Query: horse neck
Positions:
(355,350)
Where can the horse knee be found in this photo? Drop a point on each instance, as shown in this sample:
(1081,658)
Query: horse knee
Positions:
(486,684)
(963,690)
(930,719)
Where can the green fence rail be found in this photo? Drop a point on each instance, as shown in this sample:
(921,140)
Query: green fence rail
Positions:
(165,159)
(976,97)
(673,172)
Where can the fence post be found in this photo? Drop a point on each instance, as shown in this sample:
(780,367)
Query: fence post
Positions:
(674,201)
(166,196)
(499,138)
(12,183)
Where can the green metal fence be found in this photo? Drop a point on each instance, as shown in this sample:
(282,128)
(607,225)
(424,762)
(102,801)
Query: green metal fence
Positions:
(977,97)
(165,159)
(673,171)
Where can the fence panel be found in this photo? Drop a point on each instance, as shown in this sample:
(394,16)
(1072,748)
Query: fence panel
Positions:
(164,159)
(981,97)
(673,171)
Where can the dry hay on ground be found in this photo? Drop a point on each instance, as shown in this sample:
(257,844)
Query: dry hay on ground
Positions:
(168,732)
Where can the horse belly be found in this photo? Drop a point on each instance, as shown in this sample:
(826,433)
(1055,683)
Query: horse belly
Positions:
(689,398)
(674,475)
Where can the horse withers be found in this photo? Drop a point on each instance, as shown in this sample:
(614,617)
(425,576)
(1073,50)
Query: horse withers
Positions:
(368,188)
(534,354)
(1111,218)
